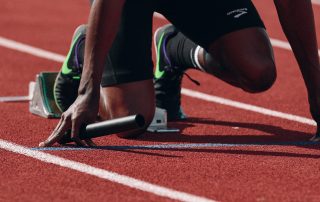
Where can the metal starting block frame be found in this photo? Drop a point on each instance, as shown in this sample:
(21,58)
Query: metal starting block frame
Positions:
(159,123)
(42,103)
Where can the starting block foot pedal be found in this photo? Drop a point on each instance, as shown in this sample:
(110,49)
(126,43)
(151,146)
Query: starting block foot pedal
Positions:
(42,101)
(159,123)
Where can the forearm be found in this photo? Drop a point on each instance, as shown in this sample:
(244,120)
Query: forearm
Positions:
(103,24)
(297,20)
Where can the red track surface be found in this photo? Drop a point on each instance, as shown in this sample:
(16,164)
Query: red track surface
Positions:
(237,173)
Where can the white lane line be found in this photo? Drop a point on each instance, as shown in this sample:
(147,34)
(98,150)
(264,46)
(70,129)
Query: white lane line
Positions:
(20,98)
(30,50)
(283,45)
(275,42)
(191,93)
(103,174)
(15,99)
(248,107)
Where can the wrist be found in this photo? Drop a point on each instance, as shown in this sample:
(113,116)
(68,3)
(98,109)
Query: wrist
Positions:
(89,87)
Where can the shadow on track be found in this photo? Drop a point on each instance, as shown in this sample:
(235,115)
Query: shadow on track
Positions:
(273,134)
(215,143)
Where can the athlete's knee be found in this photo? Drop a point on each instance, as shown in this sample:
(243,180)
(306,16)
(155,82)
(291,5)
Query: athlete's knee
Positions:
(261,78)
(127,99)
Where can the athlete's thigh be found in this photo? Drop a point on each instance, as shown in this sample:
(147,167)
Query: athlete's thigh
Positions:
(231,31)
(130,57)
(127,85)
(247,52)
(205,21)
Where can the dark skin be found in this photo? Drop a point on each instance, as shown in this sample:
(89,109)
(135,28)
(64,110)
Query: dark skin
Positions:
(99,37)
(297,22)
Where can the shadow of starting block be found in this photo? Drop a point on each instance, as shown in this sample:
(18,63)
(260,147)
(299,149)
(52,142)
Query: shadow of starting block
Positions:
(42,103)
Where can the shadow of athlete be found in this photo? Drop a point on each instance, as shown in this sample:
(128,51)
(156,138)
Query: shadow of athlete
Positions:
(275,134)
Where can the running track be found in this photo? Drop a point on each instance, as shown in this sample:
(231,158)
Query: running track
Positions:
(225,152)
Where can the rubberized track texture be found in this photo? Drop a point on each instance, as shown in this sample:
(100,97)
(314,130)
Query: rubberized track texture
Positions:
(235,146)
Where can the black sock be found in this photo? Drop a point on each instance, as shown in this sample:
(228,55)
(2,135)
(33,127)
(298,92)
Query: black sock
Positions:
(181,52)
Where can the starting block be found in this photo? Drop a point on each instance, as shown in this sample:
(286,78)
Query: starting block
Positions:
(159,123)
(42,103)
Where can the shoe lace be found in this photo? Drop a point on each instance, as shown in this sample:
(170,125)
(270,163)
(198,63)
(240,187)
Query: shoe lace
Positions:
(175,70)
(191,79)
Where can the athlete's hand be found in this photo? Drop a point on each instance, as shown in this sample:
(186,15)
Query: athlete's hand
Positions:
(83,111)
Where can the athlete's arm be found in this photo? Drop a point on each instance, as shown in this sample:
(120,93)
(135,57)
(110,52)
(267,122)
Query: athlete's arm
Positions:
(298,24)
(102,27)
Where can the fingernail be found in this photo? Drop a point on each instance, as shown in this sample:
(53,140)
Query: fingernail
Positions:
(41,144)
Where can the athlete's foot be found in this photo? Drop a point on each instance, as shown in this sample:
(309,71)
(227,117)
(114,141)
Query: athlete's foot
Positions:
(68,80)
(168,77)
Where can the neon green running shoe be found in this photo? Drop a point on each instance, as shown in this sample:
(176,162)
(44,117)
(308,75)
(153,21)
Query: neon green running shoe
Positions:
(67,82)
(168,77)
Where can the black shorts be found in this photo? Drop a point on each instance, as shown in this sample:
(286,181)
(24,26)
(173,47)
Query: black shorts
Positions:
(202,21)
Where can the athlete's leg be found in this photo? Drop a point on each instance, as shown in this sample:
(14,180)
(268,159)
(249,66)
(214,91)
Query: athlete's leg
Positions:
(243,58)
(127,99)
(127,86)
(235,45)
(238,50)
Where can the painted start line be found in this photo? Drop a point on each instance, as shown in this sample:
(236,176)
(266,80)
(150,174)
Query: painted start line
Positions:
(103,174)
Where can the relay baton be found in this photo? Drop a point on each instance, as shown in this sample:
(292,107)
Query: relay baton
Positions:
(112,126)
